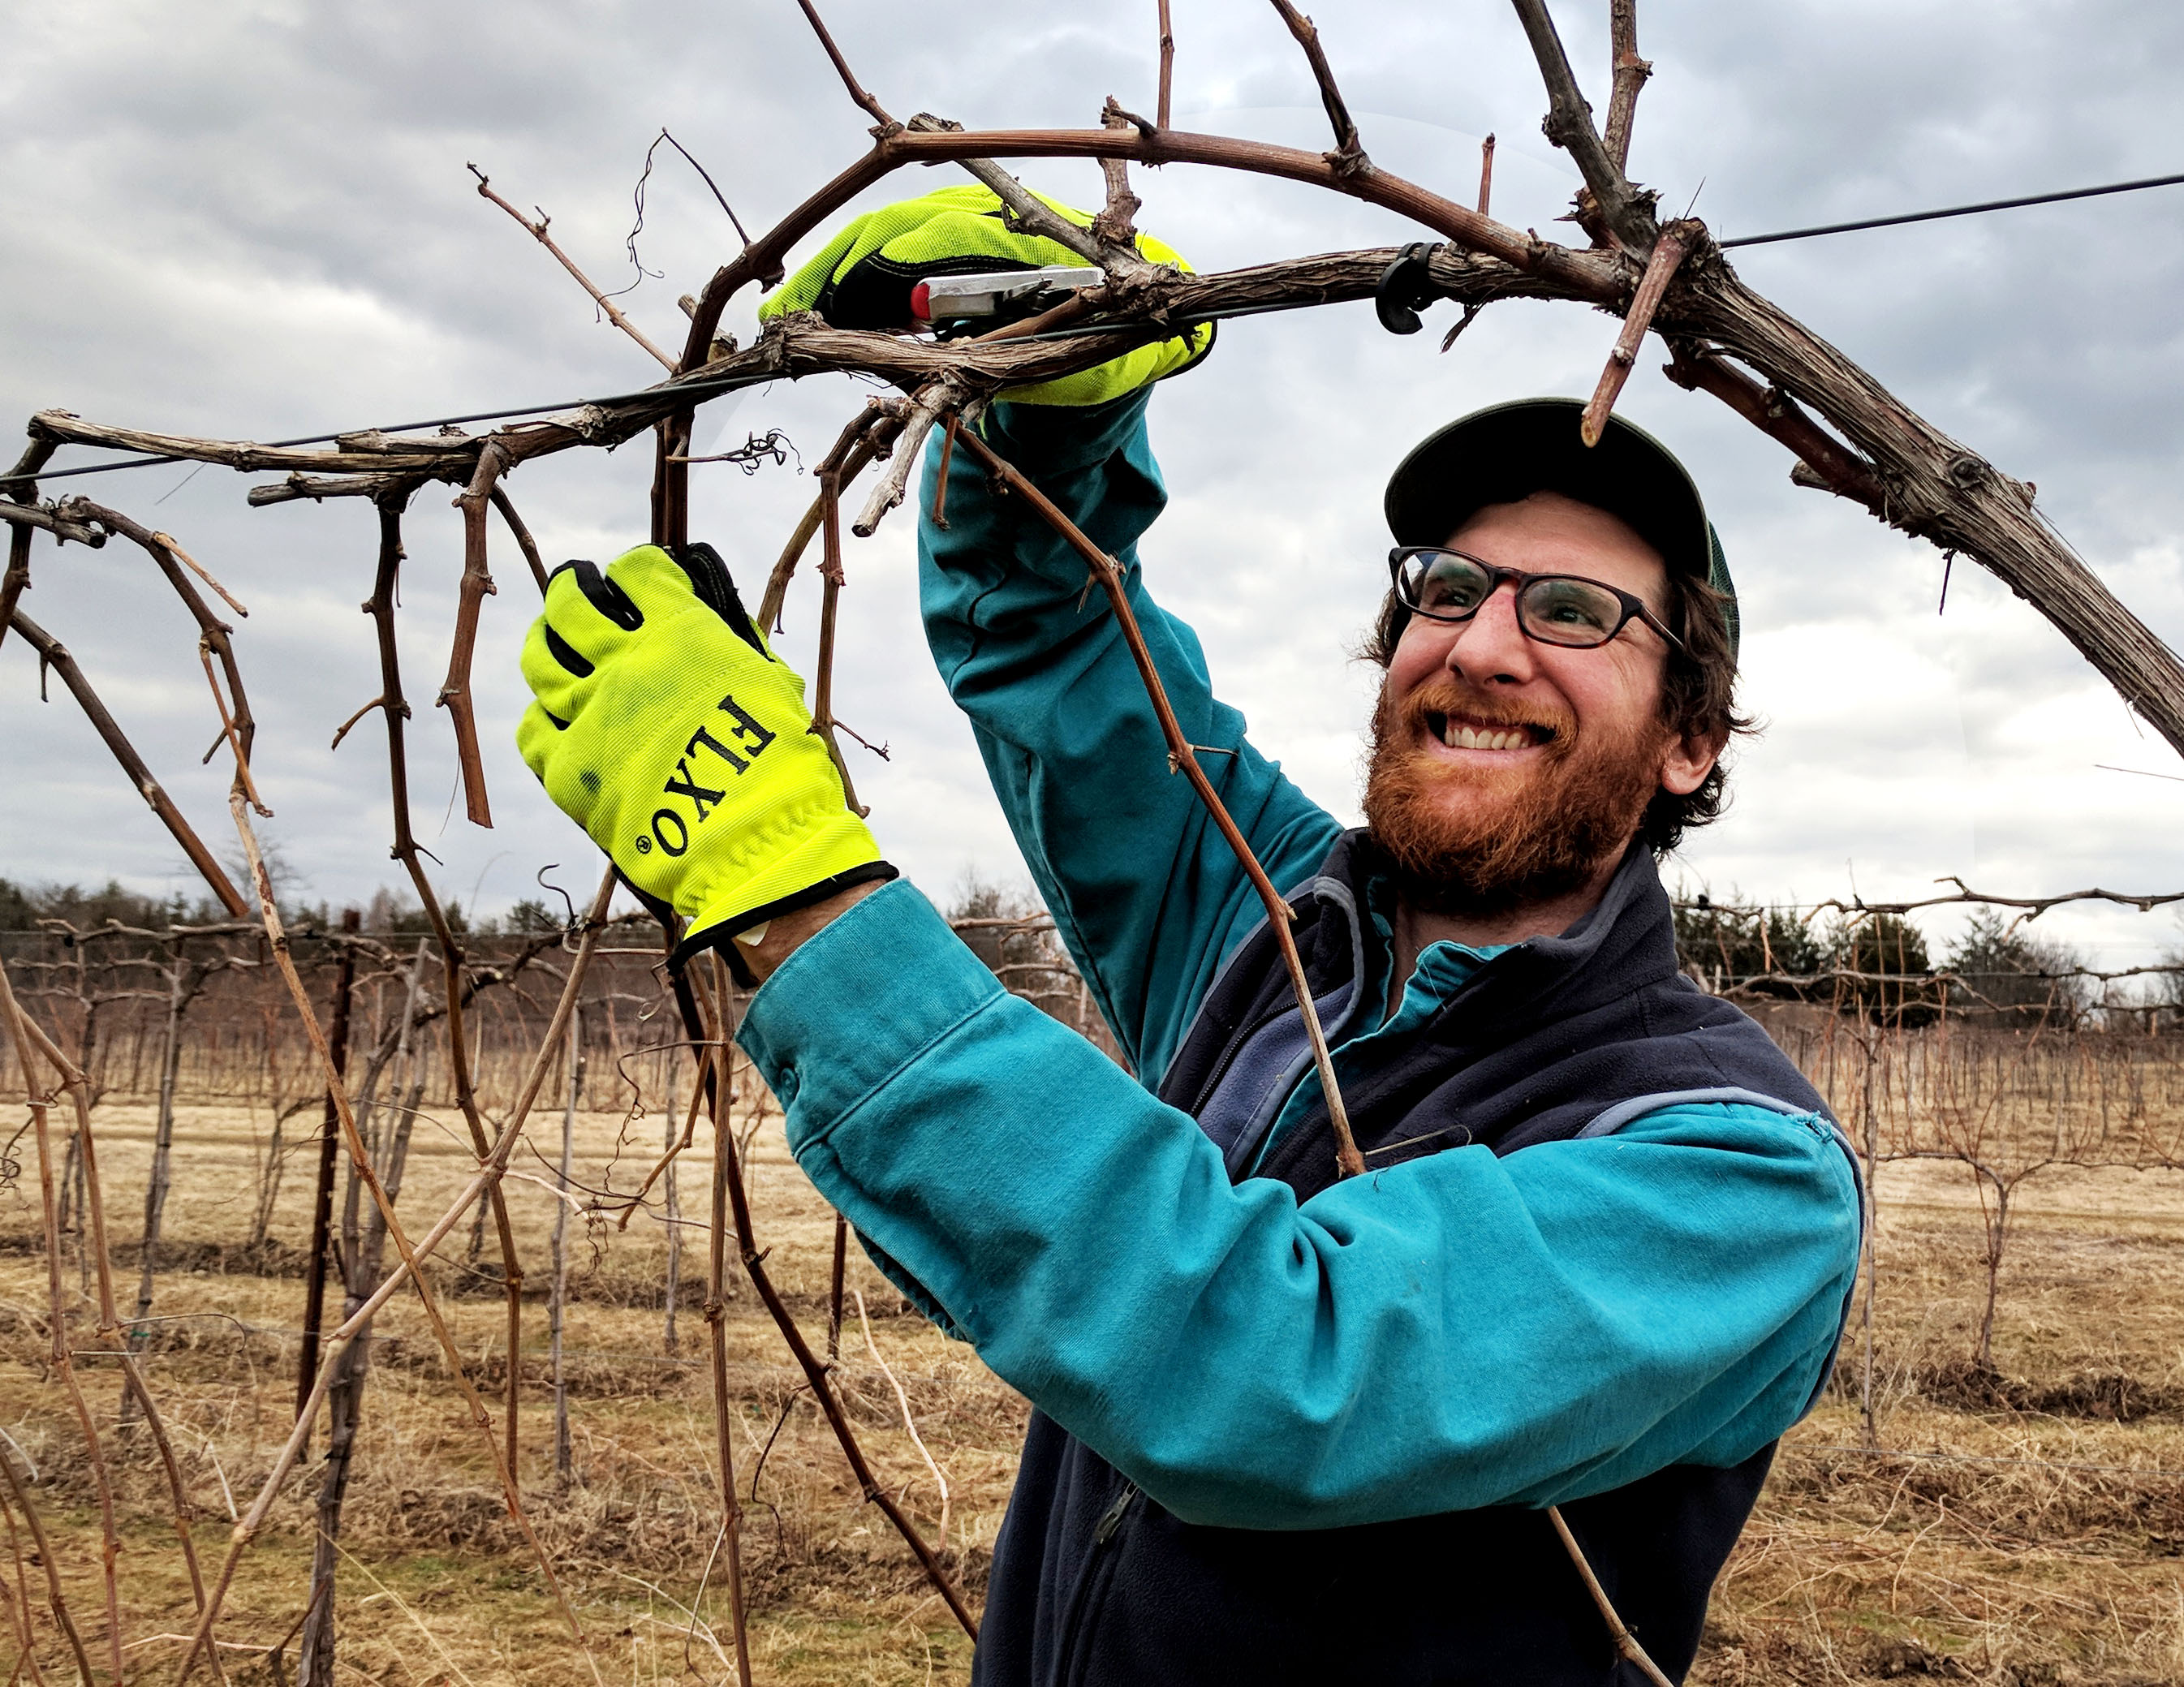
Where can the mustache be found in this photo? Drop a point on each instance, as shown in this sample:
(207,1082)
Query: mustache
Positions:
(1470,840)
(1445,696)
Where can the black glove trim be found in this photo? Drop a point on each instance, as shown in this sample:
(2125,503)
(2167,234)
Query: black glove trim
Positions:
(662,911)
(722,936)
(605,595)
(710,581)
(1198,356)
(716,590)
(568,656)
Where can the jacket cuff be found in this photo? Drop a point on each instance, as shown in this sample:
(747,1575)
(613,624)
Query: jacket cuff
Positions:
(1043,440)
(857,1004)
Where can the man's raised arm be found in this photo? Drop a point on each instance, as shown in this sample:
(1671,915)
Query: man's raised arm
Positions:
(1143,888)
(1145,893)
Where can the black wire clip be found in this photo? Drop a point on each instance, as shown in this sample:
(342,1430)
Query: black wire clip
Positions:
(1405,288)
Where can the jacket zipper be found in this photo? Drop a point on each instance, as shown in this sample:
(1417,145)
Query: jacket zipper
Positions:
(1237,1039)
(1111,1519)
(1103,1532)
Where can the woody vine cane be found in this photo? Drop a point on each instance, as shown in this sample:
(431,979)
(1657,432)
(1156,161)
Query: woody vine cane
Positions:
(239,803)
(394,711)
(688,997)
(488,1175)
(1928,484)
(1183,757)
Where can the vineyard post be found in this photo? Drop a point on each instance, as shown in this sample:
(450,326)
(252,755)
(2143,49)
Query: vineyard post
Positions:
(363,1257)
(712,1083)
(671,1210)
(558,1311)
(322,1194)
(1869,1121)
(163,1137)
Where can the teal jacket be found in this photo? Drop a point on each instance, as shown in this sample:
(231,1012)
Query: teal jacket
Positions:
(1457,1331)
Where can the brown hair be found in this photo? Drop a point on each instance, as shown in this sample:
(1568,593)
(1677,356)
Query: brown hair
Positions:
(1698,698)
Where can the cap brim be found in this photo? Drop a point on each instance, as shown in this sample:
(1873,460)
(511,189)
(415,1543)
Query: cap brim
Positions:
(1507,452)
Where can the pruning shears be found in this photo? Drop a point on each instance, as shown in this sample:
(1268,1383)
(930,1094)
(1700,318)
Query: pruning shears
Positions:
(997,296)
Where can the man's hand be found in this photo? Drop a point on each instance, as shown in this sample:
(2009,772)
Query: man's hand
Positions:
(667,728)
(862,278)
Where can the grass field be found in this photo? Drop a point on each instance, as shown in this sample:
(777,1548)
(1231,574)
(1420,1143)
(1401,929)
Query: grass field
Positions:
(2027,1529)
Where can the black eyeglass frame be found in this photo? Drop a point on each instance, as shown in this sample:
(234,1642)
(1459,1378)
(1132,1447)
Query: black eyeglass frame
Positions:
(1634,607)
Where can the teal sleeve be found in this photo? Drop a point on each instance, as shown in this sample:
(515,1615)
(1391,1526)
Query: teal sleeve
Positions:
(1457,1331)
(1144,890)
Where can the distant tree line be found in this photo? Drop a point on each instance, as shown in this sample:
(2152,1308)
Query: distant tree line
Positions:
(25,907)
(1879,965)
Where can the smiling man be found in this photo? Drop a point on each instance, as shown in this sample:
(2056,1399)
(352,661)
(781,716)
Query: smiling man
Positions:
(1288,1428)
(1538,712)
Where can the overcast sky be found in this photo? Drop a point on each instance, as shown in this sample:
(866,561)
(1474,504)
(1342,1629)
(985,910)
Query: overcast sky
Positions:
(252,220)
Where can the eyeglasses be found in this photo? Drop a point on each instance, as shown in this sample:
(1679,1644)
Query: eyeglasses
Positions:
(1555,608)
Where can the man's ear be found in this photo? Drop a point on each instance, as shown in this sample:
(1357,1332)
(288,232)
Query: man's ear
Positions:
(1687,760)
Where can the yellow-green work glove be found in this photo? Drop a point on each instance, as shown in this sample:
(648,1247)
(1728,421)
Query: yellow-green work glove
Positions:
(665,728)
(863,276)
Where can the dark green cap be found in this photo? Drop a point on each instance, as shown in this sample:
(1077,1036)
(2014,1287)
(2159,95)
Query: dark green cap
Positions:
(1507,452)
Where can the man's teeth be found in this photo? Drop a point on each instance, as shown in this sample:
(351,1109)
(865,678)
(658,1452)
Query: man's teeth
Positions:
(1458,736)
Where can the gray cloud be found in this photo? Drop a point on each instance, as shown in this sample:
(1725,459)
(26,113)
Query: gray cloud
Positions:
(253,221)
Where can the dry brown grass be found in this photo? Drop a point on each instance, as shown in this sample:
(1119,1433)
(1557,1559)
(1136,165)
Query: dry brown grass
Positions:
(2062,1559)
(836,1596)
(1856,1567)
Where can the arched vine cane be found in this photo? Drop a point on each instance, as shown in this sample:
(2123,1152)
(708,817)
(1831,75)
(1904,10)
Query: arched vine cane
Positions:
(1671,277)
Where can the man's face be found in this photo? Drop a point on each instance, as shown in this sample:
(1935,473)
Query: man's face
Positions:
(1505,770)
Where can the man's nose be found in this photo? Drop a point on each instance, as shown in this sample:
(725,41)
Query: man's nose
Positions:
(1492,646)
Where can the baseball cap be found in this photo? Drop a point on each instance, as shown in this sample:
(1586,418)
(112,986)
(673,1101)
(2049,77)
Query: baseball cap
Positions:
(1507,452)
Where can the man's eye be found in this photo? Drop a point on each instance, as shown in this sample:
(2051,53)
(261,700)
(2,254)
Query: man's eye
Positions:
(1453,588)
(1568,605)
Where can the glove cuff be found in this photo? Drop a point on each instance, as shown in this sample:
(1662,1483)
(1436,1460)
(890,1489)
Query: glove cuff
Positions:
(722,936)
(836,855)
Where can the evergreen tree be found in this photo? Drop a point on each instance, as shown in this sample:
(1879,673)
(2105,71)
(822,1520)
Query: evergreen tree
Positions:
(1725,941)
(1887,956)
(2011,975)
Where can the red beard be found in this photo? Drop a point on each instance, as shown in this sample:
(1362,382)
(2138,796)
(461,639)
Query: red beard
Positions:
(1480,840)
